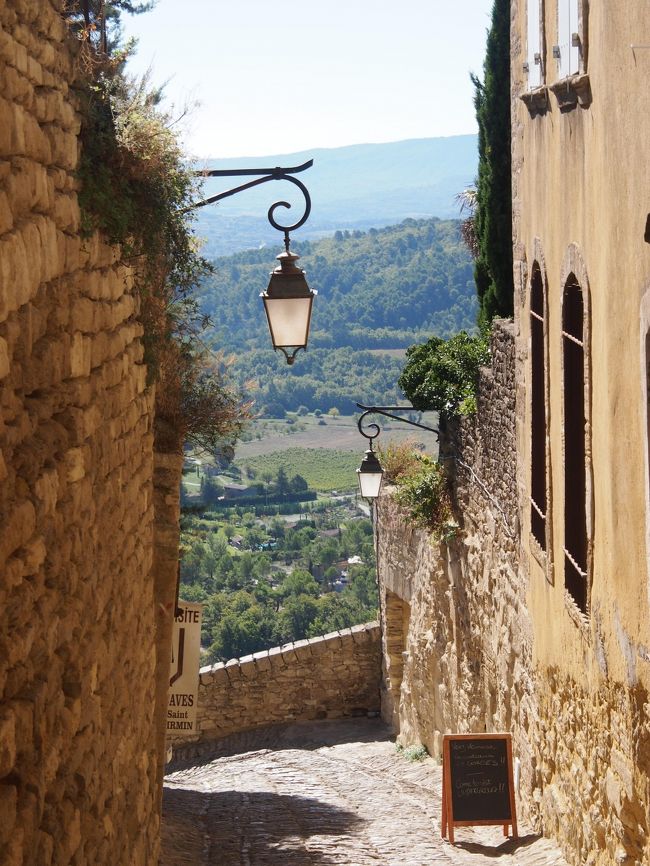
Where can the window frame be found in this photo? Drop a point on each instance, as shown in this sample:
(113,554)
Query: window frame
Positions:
(567,50)
(574,272)
(542,552)
(535,66)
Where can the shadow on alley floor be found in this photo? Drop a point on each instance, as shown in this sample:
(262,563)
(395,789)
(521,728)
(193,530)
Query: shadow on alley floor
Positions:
(322,794)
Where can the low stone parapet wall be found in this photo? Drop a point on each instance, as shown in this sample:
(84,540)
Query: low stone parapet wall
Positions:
(330,677)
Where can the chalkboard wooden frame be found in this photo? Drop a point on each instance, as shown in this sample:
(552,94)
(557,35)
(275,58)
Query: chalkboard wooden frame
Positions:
(509,815)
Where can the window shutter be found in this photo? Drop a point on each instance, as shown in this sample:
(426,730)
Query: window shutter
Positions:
(567,25)
(574,50)
(534,58)
(563,36)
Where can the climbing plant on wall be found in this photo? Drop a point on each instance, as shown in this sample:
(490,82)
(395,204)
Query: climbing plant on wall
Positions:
(135,186)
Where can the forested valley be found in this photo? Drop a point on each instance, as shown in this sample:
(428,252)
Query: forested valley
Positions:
(380,291)
(266,579)
(276,545)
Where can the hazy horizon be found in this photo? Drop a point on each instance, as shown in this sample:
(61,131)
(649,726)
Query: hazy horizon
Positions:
(293,76)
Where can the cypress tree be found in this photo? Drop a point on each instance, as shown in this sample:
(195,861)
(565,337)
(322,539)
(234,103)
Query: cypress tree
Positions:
(493,266)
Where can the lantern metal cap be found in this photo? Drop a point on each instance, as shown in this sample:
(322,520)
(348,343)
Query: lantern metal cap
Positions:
(287,264)
(288,280)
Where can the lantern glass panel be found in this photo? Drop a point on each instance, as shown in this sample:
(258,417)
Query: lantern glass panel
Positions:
(288,320)
(369,483)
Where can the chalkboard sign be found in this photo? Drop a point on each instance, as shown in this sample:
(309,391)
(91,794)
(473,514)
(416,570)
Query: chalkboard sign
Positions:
(477,786)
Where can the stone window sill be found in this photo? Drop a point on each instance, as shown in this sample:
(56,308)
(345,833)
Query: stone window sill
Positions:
(579,618)
(541,557)
(573,91)
(536,100)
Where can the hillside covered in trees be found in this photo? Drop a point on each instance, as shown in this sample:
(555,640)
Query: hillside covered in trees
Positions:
(353,187)
(379,292)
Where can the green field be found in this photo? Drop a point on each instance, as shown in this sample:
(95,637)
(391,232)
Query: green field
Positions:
(325,451)
(338,434)
(323,469)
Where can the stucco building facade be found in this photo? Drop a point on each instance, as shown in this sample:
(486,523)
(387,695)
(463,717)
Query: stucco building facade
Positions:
(581,176)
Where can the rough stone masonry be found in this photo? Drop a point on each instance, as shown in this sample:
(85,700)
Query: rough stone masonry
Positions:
(80,766)
(330,677)
(459,653)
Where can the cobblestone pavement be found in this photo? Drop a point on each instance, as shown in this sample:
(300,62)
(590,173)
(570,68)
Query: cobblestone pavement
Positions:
(323,794)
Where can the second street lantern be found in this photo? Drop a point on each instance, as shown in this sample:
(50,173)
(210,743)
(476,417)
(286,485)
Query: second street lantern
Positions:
(288,301)
(370,475)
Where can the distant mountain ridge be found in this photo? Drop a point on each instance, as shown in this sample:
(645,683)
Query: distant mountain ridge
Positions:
(360,186)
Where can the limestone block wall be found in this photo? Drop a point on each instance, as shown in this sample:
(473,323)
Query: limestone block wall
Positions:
(329,677)
(395,616)
(466,652)
(79,769)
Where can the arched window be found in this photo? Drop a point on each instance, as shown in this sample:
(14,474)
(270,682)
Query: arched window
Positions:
(575,452)
(538,499)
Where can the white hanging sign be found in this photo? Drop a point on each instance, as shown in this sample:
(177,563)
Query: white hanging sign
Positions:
(184,670)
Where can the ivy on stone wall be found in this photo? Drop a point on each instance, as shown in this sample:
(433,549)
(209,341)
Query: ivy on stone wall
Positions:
(135,186)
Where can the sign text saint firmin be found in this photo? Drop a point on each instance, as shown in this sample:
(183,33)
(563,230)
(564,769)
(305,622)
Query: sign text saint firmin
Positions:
(184,671)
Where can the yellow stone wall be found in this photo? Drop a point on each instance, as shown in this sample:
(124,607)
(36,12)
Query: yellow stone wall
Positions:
(494,641)
(478,653)
(581,176)
(80,767)
(457,636)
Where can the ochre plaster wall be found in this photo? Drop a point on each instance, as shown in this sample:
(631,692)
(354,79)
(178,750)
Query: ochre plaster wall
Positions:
(80,765)
(329,677)
(581,176)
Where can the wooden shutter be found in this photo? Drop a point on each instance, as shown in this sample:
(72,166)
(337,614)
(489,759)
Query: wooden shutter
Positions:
(567,25)
(534,57)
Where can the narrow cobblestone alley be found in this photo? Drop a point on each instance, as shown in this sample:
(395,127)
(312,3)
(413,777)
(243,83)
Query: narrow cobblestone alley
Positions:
(318,795)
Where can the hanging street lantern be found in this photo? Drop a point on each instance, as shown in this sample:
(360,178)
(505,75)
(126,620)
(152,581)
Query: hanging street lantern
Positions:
(288,301)
(370,475)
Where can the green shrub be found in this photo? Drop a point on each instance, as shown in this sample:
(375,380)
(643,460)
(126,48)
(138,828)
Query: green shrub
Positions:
(417,752)
(423,490)
(443,374)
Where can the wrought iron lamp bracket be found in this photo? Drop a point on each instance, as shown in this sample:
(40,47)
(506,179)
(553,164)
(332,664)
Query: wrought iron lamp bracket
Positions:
(263,175)
(388,412)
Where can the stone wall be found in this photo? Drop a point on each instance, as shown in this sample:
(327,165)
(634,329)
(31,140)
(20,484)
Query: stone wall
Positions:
(80,771)
(467,659)
(330,677)
(466,649)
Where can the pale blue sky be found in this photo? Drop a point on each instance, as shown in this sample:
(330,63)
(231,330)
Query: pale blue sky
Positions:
(277,76)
